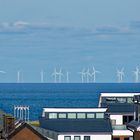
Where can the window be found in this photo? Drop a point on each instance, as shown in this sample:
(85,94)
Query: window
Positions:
(126,138)
(90,115)
(62,116)
(121,100)
(81,115)
(72,115)
(127,119)
(77,138)
(67,137)
(116,138)
(99,115)
(130,118)
(52,115)
(86,137)
(111,100)
(129,100)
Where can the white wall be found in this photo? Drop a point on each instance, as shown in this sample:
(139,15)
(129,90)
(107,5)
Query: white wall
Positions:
(118,118)
(92,137)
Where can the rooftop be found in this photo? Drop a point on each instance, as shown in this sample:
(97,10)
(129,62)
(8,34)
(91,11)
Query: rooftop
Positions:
(77,125)
(121,108)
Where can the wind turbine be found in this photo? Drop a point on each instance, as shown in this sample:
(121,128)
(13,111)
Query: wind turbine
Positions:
(94,71)
(3,72)
(55,73)
(60,74)
(67,76)
(120,74)
(42,76)
(83,74)
(18,76)
(136,74)
(88,75)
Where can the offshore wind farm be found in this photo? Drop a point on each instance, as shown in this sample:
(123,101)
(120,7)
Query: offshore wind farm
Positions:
(86,75)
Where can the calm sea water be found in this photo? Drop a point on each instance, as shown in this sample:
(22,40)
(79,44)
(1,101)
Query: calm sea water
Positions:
(38,96)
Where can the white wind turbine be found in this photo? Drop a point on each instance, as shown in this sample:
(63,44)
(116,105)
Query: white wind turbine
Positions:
(88,75)
(2,72)
(42,76)
(120,75)
(67,76)
(54,74)
(83,74)
(136,74)
(94,71)
(60,74)
(18,76)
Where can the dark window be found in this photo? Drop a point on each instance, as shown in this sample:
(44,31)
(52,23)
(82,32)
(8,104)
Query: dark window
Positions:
(67,138)
(126,138)
(77,138)
(130,118)
(86,137)
(116,138)
(127,119)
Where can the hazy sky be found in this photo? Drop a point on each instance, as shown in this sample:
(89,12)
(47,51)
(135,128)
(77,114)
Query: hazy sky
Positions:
(75,34)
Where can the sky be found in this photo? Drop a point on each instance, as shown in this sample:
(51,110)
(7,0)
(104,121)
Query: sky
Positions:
(72,35)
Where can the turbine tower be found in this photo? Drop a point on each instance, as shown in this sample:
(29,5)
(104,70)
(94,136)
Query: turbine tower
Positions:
(54,74)
(42,76)
(67,76)
(136,74)
(18,76)
(83,74)
(120,75)
(60,74)
(88,75)
(94,71)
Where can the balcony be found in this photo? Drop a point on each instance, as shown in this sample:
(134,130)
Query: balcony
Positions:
(119,127)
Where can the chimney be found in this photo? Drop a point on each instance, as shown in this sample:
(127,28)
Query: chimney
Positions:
(8,124)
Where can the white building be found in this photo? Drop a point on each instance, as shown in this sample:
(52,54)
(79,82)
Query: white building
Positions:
(120,109)
(76,123)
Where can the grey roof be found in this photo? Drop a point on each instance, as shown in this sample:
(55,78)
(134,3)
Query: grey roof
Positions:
(133,125)
(120,108)
(77,125)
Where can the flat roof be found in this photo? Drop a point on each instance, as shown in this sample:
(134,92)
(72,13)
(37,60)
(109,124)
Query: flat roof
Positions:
(120,109)
(74,109)
(118,94)
(77,125)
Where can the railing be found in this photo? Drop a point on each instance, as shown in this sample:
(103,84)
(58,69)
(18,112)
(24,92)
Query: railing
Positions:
(119,127)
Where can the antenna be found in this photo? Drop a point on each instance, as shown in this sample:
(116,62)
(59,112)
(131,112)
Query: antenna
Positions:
(83,74)
(120,75)
(94,71)
(42,76)
(136,74)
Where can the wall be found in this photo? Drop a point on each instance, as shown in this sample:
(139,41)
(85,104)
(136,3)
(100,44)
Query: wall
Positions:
(137,135)
(118,118)
(93,136)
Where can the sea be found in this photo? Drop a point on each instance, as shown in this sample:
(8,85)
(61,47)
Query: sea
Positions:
(40,95)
